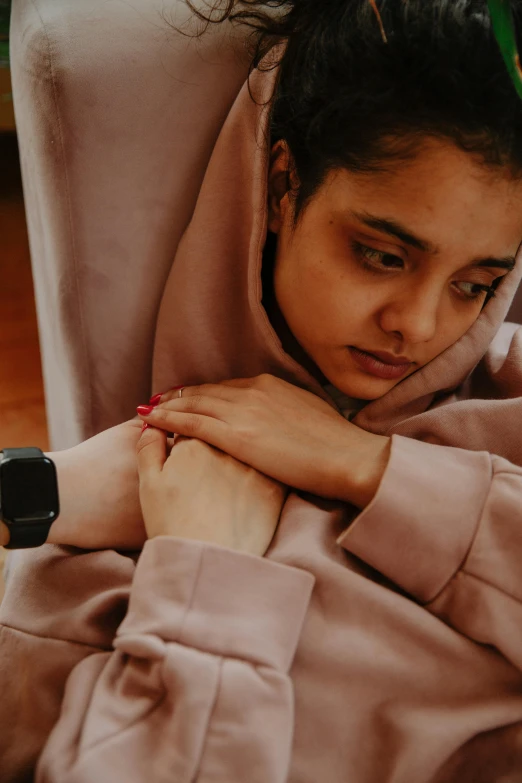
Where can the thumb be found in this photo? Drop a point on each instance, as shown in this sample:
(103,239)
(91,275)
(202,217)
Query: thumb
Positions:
(151,451)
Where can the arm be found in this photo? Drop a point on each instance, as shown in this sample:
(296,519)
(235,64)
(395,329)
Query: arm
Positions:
(62,604)
(98,490)
(446,526)
(198,686)
(198,671)
(443,523)
(45,632)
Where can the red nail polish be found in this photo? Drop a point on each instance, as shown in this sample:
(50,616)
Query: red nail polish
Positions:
(176,388)
(145,427)
(145,410)
(155,399)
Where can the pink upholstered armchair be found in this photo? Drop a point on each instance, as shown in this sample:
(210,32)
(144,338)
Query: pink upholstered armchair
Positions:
(117,115)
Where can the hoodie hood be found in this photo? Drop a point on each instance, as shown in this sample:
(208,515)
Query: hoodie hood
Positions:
(212,325)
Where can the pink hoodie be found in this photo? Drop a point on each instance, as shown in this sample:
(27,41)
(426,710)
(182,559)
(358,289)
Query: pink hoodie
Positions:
(388,650)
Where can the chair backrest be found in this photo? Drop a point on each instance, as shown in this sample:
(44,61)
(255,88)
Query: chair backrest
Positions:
(117,115)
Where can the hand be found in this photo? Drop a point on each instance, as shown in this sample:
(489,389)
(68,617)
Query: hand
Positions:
(98,491)
(200,493)
(283,431)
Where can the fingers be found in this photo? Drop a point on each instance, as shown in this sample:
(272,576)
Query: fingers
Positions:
(151,451)
(201,405)
(219,390)
(192,425)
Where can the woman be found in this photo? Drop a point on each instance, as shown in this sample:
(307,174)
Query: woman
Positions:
(349,265)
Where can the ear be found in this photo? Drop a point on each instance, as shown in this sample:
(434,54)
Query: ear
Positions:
(279,178)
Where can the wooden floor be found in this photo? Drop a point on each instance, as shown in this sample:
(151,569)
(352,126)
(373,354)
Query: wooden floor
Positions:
(22,411)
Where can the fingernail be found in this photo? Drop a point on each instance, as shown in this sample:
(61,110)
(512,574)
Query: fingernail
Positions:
(176,388)
(155,400)
(145,410)
(145,427)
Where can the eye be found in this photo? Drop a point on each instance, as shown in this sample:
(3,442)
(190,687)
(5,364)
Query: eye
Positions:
(376,260)
(477,289)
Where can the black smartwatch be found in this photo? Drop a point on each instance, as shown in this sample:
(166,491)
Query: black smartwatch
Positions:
(28,496)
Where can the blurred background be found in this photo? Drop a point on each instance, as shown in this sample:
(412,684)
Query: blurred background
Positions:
(22,407)
(22,411)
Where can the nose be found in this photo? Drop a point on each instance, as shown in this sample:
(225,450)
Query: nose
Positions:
(412,314)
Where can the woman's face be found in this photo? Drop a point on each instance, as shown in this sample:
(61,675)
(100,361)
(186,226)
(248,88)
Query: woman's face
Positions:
(394,262)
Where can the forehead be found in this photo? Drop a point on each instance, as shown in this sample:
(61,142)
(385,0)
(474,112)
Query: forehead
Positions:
(443,194)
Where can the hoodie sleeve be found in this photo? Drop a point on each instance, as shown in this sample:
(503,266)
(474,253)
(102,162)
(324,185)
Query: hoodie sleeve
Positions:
(61,606)
(446,526)
(197,685)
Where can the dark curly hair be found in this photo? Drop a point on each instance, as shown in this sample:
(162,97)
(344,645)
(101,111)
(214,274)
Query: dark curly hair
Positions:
(363,82)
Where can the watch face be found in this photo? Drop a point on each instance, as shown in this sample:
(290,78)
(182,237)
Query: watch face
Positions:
(29,490)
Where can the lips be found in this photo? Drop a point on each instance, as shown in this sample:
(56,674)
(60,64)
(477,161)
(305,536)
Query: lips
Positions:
(388,358)
(391,368)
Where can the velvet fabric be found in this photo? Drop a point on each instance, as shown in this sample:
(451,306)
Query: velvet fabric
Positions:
(117,115)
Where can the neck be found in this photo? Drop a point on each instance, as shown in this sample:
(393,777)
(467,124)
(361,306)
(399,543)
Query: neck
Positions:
(276,317)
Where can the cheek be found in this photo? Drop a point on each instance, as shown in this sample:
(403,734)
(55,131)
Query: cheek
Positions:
(461,319)
(451,326)
(318,302)
(305,287)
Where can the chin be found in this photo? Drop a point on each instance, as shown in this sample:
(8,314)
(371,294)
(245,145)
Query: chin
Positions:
(361,388)
(339,369)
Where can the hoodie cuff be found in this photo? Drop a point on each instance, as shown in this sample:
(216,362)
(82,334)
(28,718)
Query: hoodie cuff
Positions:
(419,527)
(217,600)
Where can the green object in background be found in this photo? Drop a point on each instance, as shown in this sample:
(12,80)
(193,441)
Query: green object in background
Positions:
(4,54)
(504,29)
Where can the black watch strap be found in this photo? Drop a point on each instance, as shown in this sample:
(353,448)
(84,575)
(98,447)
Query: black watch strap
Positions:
(26,536)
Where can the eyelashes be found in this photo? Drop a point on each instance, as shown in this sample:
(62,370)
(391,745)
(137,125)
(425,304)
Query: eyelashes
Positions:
(487,289)
(369,254)
(370,258)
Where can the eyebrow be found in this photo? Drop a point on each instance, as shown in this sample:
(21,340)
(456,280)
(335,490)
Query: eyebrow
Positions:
(508,262)
(395,229)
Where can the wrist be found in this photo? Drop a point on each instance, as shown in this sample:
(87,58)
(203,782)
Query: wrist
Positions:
(362,474)
(58,533)
(67,529)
